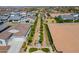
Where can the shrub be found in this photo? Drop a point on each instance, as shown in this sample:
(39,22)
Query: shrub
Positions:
(29,41)
(76,21)
(25,48)
(58,20)
(68,21)
(32,50)
(45,50)
(31,34)
(24,44)
(50,38)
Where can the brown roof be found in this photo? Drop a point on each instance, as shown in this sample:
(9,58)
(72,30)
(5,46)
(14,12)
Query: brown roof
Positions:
(65,36)
(5,35)
(4,49)
(23,28)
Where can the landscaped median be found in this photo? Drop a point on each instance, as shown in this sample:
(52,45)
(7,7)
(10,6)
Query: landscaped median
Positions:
(41,31)
(32,32)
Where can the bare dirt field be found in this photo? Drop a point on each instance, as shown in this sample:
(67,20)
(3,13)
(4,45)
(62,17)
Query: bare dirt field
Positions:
(65,36)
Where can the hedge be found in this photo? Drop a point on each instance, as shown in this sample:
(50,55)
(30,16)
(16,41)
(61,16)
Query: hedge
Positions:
(45,50)
(32,32)
(58,20)
(68,21)
(32,50)
(76,21)
(50,38)
(24,44)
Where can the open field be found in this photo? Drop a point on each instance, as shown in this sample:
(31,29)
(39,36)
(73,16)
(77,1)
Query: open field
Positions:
(65,36)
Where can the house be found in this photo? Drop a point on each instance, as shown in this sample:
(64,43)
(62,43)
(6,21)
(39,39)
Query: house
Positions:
(20,33)
(4,18)
(3,26)
(22,30)
(76,16)
(4,49)
(27,19)
(67,17)
(4,38)
(70,17)
(15,13)
(14,18)
(23,13)
(22,17)
(31,15)
(16,34)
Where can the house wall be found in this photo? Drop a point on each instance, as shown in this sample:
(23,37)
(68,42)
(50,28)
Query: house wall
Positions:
(2,42)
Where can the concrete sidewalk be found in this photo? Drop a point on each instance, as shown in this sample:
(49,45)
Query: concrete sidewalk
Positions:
(16,46)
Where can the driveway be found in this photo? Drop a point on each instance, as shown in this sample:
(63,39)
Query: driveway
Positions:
(16,45)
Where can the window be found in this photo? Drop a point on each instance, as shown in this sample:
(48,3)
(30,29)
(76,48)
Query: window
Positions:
(1,23)
(0,42)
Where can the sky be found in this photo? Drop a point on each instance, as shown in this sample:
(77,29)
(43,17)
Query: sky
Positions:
(39,3)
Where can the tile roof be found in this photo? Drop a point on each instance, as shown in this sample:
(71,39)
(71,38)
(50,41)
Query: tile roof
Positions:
(23,28)
(5,35)
(4,49)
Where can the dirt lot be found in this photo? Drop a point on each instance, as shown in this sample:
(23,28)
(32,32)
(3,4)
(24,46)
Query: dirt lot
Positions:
(65,36)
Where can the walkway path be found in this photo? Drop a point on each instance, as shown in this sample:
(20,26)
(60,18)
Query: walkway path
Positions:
(36,35)
(16,45)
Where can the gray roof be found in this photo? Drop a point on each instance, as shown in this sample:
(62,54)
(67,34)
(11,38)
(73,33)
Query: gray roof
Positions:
(24,18)
(30,13)
(15,17)
(67,17)
(74,16)
(4,17)
(2,26)
(15,13)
